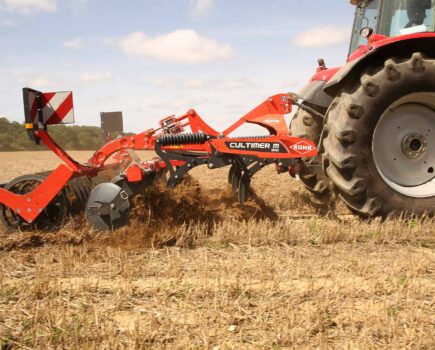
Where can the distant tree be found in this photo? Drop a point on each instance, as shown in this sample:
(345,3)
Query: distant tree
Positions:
(13,137)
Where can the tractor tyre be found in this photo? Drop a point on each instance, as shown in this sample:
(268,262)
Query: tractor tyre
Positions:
(308,126)
(379,149)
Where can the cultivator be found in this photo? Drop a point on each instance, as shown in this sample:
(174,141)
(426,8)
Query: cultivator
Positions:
(104,185)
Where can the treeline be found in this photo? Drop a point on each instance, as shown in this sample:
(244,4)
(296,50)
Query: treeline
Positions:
(13,137)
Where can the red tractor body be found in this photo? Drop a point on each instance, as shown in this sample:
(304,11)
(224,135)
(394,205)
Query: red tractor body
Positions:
(365,150)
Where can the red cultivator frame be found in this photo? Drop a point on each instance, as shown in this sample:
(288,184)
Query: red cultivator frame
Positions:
(104,184)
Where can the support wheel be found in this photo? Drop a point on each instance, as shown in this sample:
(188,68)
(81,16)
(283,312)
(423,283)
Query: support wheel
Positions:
(380,145)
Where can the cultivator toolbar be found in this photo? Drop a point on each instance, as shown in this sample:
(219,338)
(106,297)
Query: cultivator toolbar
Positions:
(104,185)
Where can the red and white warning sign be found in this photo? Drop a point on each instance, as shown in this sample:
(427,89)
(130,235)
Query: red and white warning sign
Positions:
(302,147)
(56,107)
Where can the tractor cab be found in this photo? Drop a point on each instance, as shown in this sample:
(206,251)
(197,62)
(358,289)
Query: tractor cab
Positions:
(392,18)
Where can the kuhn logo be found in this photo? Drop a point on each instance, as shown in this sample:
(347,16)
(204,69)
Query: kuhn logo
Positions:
(302,147)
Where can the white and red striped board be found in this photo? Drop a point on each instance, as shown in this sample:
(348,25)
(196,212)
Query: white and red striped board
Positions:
(57,107)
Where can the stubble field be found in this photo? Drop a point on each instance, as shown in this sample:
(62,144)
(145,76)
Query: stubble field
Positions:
(197,270)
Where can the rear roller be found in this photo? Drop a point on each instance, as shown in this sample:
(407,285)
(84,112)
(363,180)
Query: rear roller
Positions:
(50,218)
(67,202)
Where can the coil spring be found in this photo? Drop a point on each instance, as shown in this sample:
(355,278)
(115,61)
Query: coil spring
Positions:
(183,139)
(250,137)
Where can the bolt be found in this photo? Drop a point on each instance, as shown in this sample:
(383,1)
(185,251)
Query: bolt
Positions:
(18,210)
(189,166)
(29,221)
(280,163)
(112,206)
(39,210)
(270,99)
(28,199)
(29,210)
(210,166)
(176,176)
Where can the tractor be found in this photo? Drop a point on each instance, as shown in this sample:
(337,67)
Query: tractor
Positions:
(373,119)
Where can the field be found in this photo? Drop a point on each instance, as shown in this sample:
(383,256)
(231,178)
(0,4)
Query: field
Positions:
(195,270)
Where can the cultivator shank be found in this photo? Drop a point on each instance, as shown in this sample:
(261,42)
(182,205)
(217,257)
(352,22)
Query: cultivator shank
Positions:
(103,186)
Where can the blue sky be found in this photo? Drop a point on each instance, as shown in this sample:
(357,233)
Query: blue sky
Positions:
(151,59)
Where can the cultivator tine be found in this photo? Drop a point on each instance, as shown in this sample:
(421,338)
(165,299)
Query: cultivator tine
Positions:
(243,190)
(231,173)
(235,179)
(243,182)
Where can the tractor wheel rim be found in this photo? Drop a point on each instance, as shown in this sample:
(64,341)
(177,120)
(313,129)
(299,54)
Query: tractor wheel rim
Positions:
(403,145)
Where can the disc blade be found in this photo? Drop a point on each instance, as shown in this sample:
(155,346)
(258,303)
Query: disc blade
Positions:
(108,207)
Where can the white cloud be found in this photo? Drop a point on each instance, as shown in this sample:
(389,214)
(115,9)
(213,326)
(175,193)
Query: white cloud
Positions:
(214,84)
(77,6)
(231,84)
(201,8)
(176,83)
(321,37)
(183,45)
(96,77)
(7,23)
(26,7)
(290,84)
(181,104)
(74,44)
(36,81)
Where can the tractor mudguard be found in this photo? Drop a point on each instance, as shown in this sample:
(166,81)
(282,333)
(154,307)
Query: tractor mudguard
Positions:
(378,55)
(313,94)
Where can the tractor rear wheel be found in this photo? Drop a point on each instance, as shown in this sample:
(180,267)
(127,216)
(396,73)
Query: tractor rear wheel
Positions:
(380,143)
(308,126)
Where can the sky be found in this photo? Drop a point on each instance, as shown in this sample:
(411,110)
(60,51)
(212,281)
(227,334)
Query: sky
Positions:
(154,58)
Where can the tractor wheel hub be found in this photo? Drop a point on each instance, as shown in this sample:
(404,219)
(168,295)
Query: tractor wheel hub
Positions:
(414,145)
